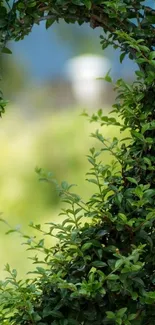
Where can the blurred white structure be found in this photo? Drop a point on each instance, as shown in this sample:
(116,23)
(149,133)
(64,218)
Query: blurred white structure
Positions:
(83,72)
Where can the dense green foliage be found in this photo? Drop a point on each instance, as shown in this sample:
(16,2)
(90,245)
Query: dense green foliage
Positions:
(102,271)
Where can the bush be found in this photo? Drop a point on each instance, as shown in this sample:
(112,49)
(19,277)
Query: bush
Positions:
(102,271)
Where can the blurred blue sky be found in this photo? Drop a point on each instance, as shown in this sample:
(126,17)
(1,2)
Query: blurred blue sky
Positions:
(45,52)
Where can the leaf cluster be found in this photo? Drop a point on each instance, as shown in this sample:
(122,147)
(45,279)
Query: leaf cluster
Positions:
(102,267)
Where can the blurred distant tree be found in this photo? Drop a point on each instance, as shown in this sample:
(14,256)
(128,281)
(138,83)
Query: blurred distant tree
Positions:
(79,38)
(14,76)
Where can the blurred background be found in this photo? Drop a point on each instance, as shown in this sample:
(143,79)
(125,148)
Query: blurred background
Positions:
(50,78)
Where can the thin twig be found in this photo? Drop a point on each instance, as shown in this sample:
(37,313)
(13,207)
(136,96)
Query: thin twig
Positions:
(149,10)
(54,16)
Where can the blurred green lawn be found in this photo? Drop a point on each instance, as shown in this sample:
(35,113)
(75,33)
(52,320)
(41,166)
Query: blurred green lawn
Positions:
(58,143)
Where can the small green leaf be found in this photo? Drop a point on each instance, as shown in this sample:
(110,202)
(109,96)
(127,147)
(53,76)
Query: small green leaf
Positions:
(21,5)
(121,312)
(87,3)
(110,315)
(92,180)
(147,161)
(91,160)
(49,23)
(122,56)
(64,185)
(138,191)
(7,267)
(139,97)
(134,295)
(119,321)
(100,112)
(14,273)
(107,77)
(99,264)
(149,193)
(118,264)
(137,135)
(86,246)
(152,62)
(151,295)
(139,281)
(32,4)
(6,50)
(140,74)
(112,277)
(152,55)
(136,267)
(123,217)
(132,316)
(36,317)
(132,180)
